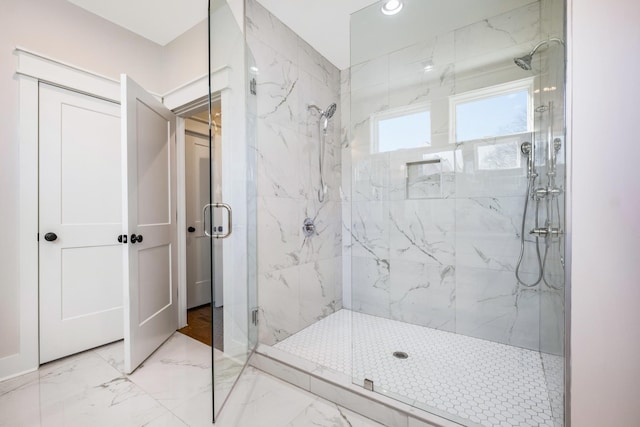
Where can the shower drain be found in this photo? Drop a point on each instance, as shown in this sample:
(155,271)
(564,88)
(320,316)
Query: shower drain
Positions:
(400,355)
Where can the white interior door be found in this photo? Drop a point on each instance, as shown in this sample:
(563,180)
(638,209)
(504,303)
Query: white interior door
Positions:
(198,245)
(80,217)
(149,208)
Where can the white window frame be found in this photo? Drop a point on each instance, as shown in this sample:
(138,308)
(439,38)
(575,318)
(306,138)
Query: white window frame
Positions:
(394,113)
(490,92)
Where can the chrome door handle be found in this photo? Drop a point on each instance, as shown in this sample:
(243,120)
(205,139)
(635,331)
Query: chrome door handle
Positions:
(229,221)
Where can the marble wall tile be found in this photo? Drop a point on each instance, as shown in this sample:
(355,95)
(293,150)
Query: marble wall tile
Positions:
(370,230)
(264,26)
(370,178)
(491,305)
(279,297)
(488,235)
(478,209)
(280,145)
(278,234)
(370,283)
(290,76)
(512,28)
(365,102)
(423,231)
(552,315)
(370,73)
(413,59)
(318,296)
(277,85)
(415,89)
(423,294)
(318,66)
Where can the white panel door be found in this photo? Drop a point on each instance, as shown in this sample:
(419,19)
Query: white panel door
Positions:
(198,245)
(80,215)
(149,207)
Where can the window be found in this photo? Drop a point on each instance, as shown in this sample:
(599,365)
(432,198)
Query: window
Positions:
(401,129)
(505,109)
(499,156)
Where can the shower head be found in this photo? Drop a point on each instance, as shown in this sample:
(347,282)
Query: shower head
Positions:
(330,111)
(524,62)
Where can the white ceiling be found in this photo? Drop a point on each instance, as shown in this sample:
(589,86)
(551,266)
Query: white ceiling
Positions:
(160,21)
(324,24)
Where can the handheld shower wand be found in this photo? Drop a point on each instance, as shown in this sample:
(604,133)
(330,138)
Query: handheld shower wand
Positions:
(323,125)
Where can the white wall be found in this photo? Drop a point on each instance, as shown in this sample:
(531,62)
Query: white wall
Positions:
(58,29)
(605,334)
(63,31)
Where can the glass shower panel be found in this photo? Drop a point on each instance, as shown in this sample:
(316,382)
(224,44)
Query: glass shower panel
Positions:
(456,242)
(227,60)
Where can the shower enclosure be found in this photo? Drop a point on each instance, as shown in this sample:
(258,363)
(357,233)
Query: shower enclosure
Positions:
(457,208)
(452,298)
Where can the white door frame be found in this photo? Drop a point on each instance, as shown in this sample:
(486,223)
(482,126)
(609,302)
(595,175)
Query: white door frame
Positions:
(32,69)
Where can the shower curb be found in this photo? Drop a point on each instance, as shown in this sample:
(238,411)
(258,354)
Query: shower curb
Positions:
(337,388)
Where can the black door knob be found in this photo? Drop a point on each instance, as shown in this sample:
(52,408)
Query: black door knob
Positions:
(50,237)
(122,238)
(191,229)
(136,238)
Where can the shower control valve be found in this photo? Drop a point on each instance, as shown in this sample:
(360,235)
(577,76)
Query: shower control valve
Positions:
(309,228)
(546,232)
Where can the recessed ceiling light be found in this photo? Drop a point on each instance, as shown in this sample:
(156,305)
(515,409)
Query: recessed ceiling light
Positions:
(391,7)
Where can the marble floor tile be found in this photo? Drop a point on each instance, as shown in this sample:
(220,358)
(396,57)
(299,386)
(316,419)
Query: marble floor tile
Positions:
(171,389)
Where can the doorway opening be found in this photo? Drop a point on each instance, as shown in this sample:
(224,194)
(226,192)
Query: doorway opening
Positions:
(203,254)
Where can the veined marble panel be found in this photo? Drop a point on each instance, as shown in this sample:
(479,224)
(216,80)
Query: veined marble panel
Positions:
(413,89)
(310,61)
(370,230)
(370,284)
(423,294)
(270,30)
(277,83)
(370,178)
(370,73)
(278,233)
(413,59)
(278,145)
(279,296)
(318,296)
(492,305)
(511,28)
(365,102)
(422,231)
(552,314)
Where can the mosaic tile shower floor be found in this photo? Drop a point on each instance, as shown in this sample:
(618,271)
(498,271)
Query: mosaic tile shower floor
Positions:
(478,381)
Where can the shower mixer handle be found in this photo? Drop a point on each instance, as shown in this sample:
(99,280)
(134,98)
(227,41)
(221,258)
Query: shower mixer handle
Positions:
(542,192)
(546,232)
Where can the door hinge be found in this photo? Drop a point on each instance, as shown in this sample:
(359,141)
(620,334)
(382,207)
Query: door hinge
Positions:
(254,316)
(253,86)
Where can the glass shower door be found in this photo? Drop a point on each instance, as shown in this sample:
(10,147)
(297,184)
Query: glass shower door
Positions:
(227,59)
